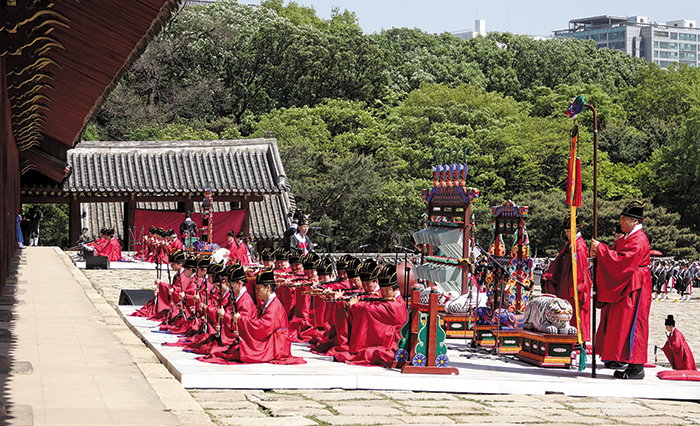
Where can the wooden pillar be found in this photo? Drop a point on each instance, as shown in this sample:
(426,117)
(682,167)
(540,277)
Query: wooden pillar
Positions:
(74,220)
(189,203)
(465,248)
(245,204)
(129,219)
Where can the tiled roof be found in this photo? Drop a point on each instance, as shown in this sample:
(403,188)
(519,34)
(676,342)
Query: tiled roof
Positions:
(251,166)
(268,218)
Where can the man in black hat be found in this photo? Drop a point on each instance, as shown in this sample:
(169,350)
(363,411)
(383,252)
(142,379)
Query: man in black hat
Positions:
(676,348)
(264,337)
(300,239)
(188,227)
(624,285)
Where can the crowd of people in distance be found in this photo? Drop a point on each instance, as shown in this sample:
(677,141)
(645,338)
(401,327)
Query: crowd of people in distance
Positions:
(227,313)
(681,276)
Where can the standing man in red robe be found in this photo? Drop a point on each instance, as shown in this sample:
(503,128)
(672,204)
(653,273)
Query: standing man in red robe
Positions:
(676,348)
(559,280)
(238,249)
(624,284)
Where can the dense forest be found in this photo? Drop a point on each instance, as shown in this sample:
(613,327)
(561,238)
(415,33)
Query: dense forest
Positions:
(358,118)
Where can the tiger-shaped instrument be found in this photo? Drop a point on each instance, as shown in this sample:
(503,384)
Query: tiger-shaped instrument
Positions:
(549,314)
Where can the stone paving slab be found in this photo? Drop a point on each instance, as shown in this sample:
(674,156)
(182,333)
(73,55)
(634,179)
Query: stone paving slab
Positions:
(341,395)
(268,421)
(427,411)
(653,420)
(456,405)
(360,420)
(366,411)
(496,419)
(417,396)
(426,419)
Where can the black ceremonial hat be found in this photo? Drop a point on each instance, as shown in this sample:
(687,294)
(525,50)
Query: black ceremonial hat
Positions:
(387,270)
(295,256)
(390,281)
(190,263)
(351,268)
(237,274)
(635,210)
(281,254)
(324,267)
(178,256)
(215,268)
(310,261)
(342,262)
(266,254)
(670,321)
(368,270)
(231,233)
(266,277)
(203,262)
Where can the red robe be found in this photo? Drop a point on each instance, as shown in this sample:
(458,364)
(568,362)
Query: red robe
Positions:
(624,285)
(158,310)
(678,352)
(559,282)
(263,338)
(376,330)
(239,252)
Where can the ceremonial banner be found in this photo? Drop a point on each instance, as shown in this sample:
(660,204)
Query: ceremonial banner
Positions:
(223,222)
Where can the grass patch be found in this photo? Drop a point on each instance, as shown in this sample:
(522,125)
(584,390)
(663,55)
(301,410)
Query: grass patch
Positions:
(319,422)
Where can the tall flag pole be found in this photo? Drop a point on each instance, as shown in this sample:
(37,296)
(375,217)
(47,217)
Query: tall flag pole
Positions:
(573,198)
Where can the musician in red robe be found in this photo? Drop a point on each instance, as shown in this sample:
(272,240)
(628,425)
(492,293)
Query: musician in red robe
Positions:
(181,299)
(264,337)
(624,284)
(376,326)
(237,248)
(559,280)
(301,326)
(157,308)
(173,242)
(676,348)
(100,244)
(285,293)
(328,338)
(113,250)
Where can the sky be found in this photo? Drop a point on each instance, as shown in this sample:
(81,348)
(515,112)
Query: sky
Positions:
(538,18)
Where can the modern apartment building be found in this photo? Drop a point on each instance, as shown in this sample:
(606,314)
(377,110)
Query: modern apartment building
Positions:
(663,44)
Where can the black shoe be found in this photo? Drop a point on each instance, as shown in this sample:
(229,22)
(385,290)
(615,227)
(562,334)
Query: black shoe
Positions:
(616,365)
(629,374)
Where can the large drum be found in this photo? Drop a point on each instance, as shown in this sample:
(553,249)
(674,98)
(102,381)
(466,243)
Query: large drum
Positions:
(404,273)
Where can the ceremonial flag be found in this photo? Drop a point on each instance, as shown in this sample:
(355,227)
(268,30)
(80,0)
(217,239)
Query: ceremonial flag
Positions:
(573,198)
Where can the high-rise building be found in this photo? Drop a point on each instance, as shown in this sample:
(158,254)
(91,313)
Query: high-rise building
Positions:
(479,30)
(663,44)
